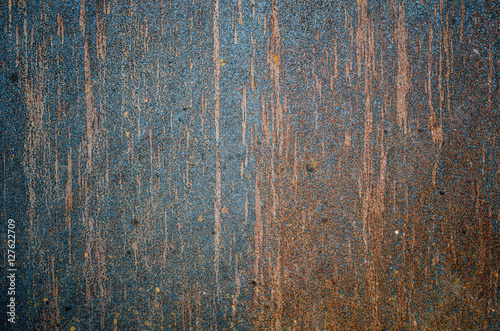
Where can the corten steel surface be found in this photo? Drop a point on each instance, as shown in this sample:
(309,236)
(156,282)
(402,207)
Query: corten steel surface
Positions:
(251,165)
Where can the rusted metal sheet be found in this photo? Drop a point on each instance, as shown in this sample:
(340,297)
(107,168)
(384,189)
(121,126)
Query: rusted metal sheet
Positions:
(251,165)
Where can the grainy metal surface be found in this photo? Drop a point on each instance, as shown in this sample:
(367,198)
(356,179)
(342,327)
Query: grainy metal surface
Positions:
(252,165)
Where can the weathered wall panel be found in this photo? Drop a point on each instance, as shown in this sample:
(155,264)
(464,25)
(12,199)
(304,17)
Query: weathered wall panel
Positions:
(248,165)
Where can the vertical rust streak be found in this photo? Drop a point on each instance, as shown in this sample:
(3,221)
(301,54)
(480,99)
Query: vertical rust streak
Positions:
(82,16)
(55,290)
(89,104)
(462,16)
(244,116)
(252,63)
(336,62)
(402,79)
(490,68)
(217,209)
(258,237)
(69,199)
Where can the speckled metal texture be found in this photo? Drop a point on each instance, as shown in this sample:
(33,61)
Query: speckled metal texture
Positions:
(251,164)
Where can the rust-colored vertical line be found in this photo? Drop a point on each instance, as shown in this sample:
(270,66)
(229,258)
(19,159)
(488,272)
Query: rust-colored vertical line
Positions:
(25,28)
(158,78)
(381,183)
(462,17)
(9,5)
(56,156)
(82,16)
(428,85)
(280,132)
(69,199)
(497,30)
(216,68)
(295,178)
(101,274)
(279,299)
(246,208)
(274,57)
(371,71)
(361,34)
(253,138)
(408,259)
(335,63)
(346,18)
(315,90)
(448,48)
(264,121)
(367,157)
(145,34)
(237,283)
(106,175)
(436,129)
(165,242)
(272,120)
(218,197)
(88,103)
(55,292)
(151,150)
(402,79)
(258,237)
(101,37)
(441,42)
(348,71)
(264,27)
(275,48)
(276,119)
(288,128)
(379,200)
(60,27)
(252,63)
(490,67)
(16,47)
(232,18)
(244,116)
(371,45)
(480,281)
(240,12)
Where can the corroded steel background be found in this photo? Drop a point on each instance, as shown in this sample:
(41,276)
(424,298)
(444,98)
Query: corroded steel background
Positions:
(251,165)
